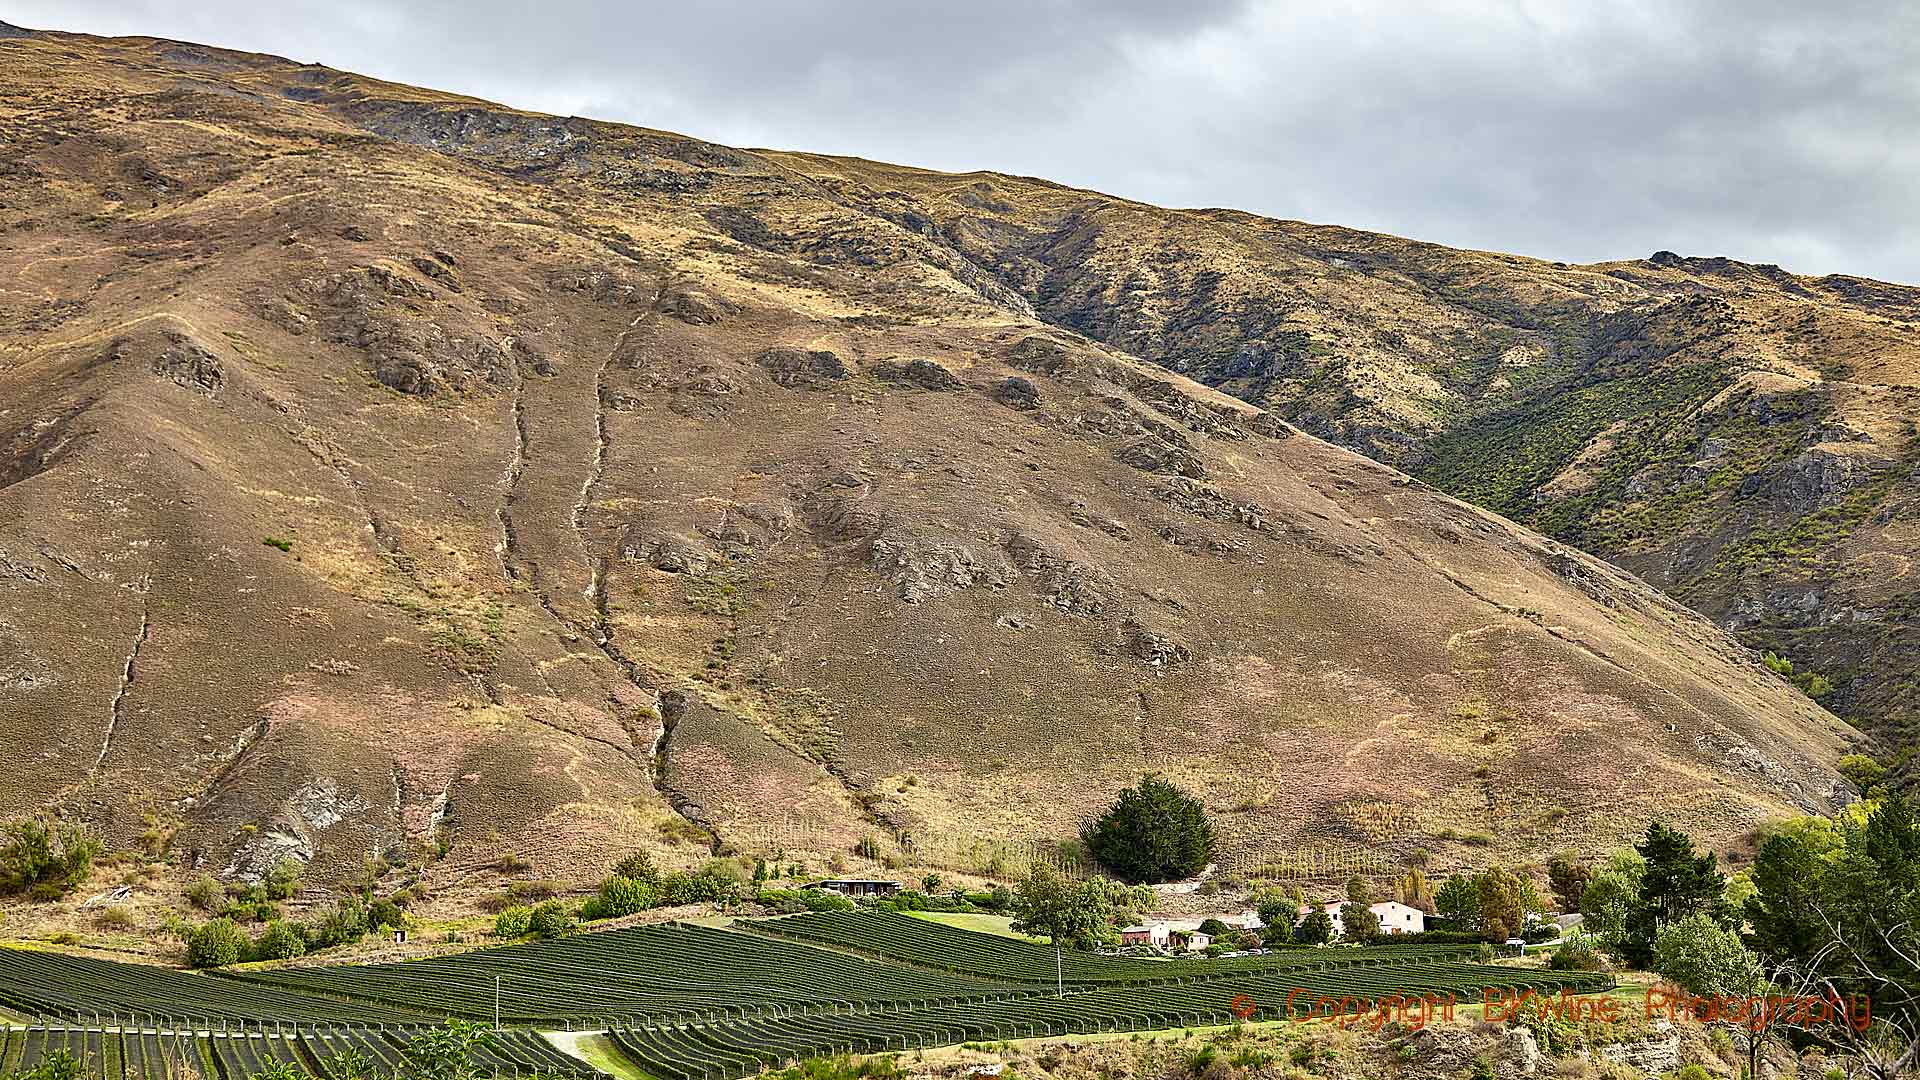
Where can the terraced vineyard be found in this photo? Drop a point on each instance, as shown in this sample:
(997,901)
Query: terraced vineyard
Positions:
(691,1002)
(732,1048)
(665,974)
(916,941)
(57,986)
(165,1054)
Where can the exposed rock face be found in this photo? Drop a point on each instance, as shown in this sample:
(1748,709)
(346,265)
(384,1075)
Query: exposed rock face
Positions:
(803,369)
(924,374)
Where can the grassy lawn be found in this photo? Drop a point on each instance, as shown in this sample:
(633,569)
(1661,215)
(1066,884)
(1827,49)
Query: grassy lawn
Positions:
(998,925)
(597,1051)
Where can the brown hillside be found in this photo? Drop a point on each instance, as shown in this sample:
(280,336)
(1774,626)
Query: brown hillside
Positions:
(1741,437)
(389,472)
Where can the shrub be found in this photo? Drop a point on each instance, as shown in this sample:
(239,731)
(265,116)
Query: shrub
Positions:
(281,941)
(624,896)
(46,860)
(1155,832)
(205,893)
(516,921)
(344,925)
(1693,1071)
(549,920)
(1862,771)
(216,944)
(114,918)
(282,881)
(383,913)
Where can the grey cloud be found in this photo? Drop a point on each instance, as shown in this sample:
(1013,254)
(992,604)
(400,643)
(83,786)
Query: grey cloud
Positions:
(1769,131)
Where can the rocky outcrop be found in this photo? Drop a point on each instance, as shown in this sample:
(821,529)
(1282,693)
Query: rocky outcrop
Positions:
(803,369)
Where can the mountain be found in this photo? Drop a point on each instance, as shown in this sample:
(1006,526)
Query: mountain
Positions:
(1738,436)
(393,477)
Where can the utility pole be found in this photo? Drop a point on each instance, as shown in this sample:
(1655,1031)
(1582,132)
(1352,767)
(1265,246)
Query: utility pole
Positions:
(496,1003)
(1059,985)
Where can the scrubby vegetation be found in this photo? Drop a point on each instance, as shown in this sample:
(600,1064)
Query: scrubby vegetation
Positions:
(46,860)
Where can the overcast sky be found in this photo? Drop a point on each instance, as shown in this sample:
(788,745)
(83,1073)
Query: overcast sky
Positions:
(1783,132)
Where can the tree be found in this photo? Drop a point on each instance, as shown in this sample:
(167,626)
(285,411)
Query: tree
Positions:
(1842,921)
(1675,884)
(1708,959)
(1213,928)
(1458,902)
(1358,922)
(1610,892)
(1317,929)
(1503,904)
(46,860)
(1278,931)
(1413,891)
(1567,876)
(1358,892)
(1155,832)
(216,944)
(1787,873)
(1076,915)
(1275,906)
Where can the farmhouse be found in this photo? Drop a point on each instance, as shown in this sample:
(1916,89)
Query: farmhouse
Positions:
(858,886)
(1152,934)
(1395,917)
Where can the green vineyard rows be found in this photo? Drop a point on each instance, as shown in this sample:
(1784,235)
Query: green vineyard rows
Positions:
(665,974)
(133,1054)
(77,988)
(690,1002)
(732,1048)
(929,944)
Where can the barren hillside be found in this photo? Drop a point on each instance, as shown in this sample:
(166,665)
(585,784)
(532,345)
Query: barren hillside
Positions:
(385,471)
(1740,437)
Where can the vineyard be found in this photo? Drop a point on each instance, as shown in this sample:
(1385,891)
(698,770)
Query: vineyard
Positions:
(167,1054)
(733,1048)
(915,941)
(658,974)
(689,1002)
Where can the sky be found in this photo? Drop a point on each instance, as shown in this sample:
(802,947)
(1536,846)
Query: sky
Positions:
(1775,132)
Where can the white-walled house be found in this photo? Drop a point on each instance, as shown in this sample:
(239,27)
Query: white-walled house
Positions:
(1398,918)
(1395,917)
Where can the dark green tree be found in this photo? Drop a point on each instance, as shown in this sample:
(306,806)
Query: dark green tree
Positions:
(1675,884)
(1155,832)
(1567,875)
(1317,929)
(1358,922)
(1278,930)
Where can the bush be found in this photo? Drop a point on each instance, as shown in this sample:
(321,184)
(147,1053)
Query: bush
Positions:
(216,944)
(550,920)
(1155,832)
(46,860)
(206,894)
(281,941)
(637,867)
(114,918)
(516,921)
(622,896)
(344,925)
